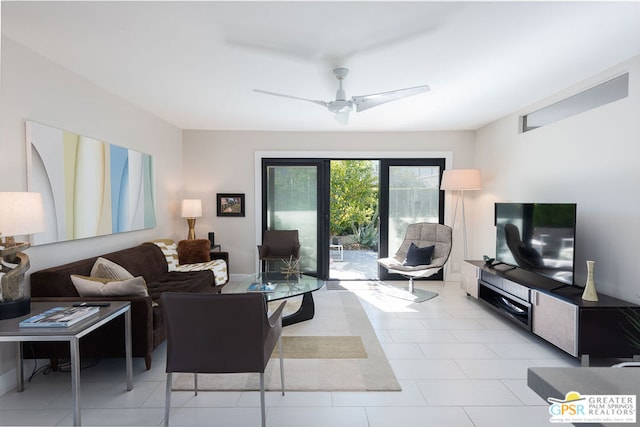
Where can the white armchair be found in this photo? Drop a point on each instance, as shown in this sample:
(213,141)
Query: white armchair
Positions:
(421,235)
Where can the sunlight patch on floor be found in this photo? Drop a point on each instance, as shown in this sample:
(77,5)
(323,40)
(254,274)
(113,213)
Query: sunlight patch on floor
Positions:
(367,291)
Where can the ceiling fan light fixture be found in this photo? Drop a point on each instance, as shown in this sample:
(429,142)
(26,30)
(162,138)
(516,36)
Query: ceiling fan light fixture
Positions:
(340,106)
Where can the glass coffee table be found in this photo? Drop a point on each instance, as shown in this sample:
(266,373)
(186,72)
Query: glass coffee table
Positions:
(286,287)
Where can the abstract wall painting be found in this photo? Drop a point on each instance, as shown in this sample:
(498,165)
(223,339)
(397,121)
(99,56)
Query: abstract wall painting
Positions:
(89,187)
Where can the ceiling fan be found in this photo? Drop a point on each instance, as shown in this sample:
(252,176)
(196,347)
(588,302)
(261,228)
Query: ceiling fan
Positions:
(341,106)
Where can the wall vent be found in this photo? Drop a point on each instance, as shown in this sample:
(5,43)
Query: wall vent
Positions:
(604,93)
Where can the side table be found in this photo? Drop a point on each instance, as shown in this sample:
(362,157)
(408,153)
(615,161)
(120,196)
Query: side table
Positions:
(10,331)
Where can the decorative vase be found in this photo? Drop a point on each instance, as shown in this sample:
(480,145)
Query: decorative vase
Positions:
(590,293)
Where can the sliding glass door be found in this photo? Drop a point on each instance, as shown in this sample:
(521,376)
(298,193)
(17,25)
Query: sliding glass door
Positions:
(293,199)
(410,193)
(296,194)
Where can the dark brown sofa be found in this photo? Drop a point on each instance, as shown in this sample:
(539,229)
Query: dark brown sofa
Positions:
(148,331)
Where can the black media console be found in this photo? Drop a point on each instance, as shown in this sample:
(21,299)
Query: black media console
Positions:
(557,312)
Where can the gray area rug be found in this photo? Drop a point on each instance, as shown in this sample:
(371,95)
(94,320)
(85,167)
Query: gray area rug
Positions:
(338,314)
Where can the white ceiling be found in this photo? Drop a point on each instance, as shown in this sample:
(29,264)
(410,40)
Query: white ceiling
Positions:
(195,64)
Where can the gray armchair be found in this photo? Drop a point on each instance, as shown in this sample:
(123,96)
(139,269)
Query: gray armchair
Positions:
(197,343)
(421,236)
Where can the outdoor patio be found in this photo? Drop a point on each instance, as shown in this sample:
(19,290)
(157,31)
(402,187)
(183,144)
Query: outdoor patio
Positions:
(355,265)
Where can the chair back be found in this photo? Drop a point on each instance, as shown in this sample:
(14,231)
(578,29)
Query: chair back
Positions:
(427,234)
(281,243)
(215,333)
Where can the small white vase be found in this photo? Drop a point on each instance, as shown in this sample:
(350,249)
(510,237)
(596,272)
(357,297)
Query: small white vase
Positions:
(590,293)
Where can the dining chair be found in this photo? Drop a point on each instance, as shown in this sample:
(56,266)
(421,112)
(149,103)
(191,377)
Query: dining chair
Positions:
(220,334)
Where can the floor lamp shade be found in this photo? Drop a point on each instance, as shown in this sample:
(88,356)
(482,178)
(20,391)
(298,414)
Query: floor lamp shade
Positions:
(21,213)
(191,209)
(461,179)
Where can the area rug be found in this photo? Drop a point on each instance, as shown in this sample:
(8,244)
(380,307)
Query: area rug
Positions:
(347,354)
(384,290)
(324,347)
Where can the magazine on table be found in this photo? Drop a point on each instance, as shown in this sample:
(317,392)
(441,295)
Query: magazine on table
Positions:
(262,287)
(59,317)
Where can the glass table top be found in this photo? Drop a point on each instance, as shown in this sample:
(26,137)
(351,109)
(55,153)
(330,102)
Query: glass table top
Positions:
(283,287)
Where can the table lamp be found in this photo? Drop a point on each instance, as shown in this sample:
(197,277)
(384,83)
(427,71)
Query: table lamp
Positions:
(461,180)
(191,209)
(21,213)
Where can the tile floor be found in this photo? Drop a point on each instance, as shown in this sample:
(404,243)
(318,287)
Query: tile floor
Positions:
(459,364)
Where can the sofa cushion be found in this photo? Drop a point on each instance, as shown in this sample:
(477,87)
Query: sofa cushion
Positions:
(109,270)
(193,281)
(145,260)
(102,287)
(194,251)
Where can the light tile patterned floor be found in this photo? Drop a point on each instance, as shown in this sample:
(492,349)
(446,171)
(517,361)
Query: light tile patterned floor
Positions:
(459,364)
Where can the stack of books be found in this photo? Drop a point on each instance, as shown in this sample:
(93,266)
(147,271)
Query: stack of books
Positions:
(59,317)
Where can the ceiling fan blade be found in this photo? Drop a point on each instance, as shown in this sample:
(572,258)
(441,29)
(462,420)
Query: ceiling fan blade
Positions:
(266,92)
(368,101)
(342,117)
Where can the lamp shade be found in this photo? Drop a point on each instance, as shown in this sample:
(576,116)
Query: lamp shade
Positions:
(191,208)
(21,213)
(461,179)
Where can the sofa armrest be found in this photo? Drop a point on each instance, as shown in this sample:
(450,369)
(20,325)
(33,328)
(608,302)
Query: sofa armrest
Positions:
(220,255)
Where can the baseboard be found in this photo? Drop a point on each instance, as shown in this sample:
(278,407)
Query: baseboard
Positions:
(237,277)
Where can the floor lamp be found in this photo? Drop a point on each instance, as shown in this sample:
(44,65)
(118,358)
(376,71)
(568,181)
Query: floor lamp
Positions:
(461,180)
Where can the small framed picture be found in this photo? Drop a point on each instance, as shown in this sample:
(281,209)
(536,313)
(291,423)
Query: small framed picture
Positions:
(230,204)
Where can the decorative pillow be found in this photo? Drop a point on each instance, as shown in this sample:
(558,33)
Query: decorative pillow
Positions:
(109,270)
(169,250)
(101,287)
(419,256)
(194,251)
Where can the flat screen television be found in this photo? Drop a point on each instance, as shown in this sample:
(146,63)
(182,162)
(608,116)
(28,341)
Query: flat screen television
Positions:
(538,237)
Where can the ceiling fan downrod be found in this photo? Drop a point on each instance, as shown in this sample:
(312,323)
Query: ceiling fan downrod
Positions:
(340,105)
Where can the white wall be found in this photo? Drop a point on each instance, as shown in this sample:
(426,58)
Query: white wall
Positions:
(591,159)
(223,162)
(36,89)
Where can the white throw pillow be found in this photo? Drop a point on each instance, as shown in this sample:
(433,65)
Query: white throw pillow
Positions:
(109,270)
(101,287)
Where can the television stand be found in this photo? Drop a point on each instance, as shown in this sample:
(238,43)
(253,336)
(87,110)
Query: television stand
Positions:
(556,312)
(503,266)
